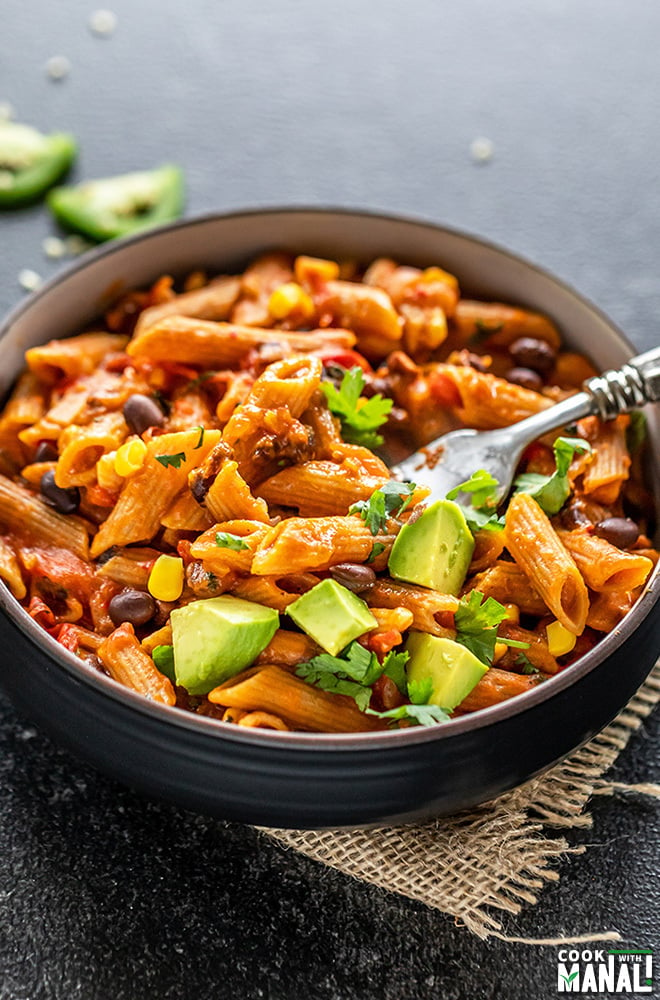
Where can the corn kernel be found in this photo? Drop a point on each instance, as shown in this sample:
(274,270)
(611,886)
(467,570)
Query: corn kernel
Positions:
(512,613)
(290,298)
(130,457)
(105,472)
(560,640)
(166,578)
(310,269)
(499,651)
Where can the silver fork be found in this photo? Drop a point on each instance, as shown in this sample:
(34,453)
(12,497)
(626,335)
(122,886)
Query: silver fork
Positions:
(452,458)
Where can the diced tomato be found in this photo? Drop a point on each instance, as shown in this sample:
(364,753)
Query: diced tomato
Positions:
(381,643)
(68,636)
(343,357)
(100,497)
(42,614)
(63,568)
(443,391)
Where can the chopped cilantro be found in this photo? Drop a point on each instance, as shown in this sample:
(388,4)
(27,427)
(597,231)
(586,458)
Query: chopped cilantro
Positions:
(551,492)
(163,657)
(423,715)
(419,692)
(225,540)
(391,498)
(483,488)
(358,420)
(173,460)
(394,667)
(525,664)
(200,439)
(378,547)
(476,620)
(353,673)
(482,331)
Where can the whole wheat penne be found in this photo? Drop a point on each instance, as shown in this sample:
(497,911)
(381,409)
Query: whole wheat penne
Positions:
(229,496)
(610,462)
(368,311)
(488,547)
(262,720)
(220,345)
(268,590)
(320,488)
(288,649)
(486,401)
(185,514)
(10,569)
(291,382)
(495,686)
(314,543)
(607,609)
(533,543)
(271,689)
(149,492)
(26,514)
(82,447)
(507,583)
(536,651)
(213,301)
(258,282)
(130,567)
(498,325)
(424,604)
(161,637)
(218,552)
(26,404)
(126,662)
(72,356)
(604,567)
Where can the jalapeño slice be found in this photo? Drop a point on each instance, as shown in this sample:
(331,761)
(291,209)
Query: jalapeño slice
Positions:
(111,207)
(30,162)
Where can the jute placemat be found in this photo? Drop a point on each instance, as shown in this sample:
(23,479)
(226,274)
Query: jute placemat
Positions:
(496,857)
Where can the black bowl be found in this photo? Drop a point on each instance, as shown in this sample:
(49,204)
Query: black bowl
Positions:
(301,779)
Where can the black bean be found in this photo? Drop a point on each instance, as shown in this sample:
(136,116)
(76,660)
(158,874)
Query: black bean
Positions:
(375,385)
(619,531)
(526,378)
(353,576)
(527,352)
(66,501)
(142,412)
(133,606)
(46,452)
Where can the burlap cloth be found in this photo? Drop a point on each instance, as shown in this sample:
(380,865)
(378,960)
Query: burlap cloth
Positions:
(496,857)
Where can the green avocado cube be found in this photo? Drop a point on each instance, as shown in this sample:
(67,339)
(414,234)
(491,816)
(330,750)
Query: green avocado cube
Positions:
(435,550)
(332,615)
(215,639)
(452,668)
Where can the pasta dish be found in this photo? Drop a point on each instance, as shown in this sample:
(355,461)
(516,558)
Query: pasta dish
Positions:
(195,499)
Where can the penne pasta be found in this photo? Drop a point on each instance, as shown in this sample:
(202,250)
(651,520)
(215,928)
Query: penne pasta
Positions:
(605,568)
(533,543)
(126,662)
(72,356)
(609,468)
(214,301)
(314,543)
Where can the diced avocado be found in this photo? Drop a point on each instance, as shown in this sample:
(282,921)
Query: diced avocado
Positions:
(452,668)
(332,615)
(435,550)
(217,638)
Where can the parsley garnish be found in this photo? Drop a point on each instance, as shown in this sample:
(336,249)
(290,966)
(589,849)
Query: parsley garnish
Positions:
(173,460)
(353,673)
(391,498)
(418,710)
(483,488)
(225,540)
(394,667)
(200,439)
(525,664)
(477,624)
(378,547)
(551,492)
(482,331)
(358,422)
(163,657)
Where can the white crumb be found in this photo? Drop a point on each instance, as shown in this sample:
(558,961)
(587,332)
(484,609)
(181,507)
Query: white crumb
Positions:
(481,150)
(102,23)
(58,67)
(53,247)
(29,279)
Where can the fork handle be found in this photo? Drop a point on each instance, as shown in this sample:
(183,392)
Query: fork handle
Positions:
(618,391)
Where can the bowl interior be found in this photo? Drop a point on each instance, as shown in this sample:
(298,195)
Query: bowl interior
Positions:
(226,243)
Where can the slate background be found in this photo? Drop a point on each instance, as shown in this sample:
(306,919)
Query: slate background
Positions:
(106,896)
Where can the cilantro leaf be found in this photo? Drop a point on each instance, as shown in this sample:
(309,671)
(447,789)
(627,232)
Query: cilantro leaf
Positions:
(225,540)
(358,422)
(476,620)
(163,657)
(200,439)
(551,492)
(378,547)
(420,692)
(423,715)
(173,460)
(389,499)
(335,684)
(482,331)
(483,488)
(394,667)
(525,664)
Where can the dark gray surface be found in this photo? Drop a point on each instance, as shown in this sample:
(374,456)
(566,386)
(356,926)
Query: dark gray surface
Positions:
(104,896)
